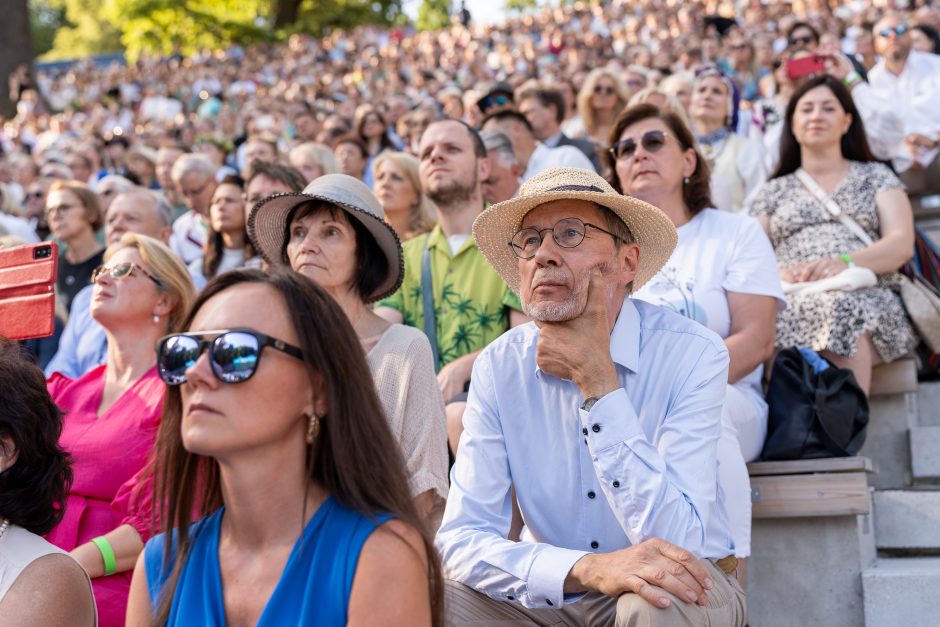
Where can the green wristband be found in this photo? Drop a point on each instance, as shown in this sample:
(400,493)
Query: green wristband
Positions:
(848,260)
(850,78)
(107,554)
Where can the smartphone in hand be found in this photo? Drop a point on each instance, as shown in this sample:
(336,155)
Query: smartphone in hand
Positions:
(805,66)
(27,290)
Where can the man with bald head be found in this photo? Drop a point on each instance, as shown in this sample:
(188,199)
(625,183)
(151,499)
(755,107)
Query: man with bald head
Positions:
(83,344)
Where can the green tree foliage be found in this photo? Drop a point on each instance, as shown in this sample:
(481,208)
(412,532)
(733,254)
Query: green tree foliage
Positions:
(433,14)
(520,6)
(45,19)
(165,26)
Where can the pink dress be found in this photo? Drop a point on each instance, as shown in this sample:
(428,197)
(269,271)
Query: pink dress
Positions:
(109,453)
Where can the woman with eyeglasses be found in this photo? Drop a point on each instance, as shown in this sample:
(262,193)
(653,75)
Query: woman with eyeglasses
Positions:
(722,274)
(602,97)
(112,413)
(74,217)
(273,436)
(737,163)
(335,234)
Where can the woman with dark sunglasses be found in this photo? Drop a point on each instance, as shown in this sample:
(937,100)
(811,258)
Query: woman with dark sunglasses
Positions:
(722,274)
(111,416)
(602,97)
(273,434)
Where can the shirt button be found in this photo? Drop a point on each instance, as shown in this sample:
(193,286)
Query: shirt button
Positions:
(594,544)
(511,598)
(596,428)
(591,494)
(549,601)
(584,430)
(616,484)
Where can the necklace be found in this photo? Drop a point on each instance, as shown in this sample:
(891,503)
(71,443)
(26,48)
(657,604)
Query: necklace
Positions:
(3,527)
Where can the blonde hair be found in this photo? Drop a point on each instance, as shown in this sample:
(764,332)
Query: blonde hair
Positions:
(88,198)
(321,154)
(672,103)
(585,110)
(421,217)
(7,203)
(167,268)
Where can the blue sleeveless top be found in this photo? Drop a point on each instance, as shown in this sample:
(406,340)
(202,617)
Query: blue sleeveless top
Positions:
(313,589)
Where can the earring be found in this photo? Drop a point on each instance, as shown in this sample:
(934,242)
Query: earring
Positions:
(685,181)
(313,429)
(156,319)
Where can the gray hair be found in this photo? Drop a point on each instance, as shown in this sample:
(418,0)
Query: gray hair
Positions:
(159,202)
(192,162)
(121,184)
(498,143)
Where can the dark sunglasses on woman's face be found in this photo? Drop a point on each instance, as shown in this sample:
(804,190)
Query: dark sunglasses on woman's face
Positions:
(234,354)
(605,89)
(651,141)
(803,40)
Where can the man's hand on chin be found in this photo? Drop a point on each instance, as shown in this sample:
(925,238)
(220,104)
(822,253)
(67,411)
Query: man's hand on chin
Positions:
(650,569)
(578,350)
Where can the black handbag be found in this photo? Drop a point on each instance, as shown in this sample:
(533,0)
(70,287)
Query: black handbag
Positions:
(813,415)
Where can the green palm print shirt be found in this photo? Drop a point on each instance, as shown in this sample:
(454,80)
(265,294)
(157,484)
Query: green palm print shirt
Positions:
(471,301)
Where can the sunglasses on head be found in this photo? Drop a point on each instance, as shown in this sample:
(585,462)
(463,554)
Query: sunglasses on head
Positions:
(234,354)
(599,89)
(804,40)
(493,101)
(898,30)
(651,141)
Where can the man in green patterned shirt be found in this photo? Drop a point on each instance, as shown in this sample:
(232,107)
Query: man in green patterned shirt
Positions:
(472,304)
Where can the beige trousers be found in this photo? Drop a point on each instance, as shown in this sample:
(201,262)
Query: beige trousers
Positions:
(464,606)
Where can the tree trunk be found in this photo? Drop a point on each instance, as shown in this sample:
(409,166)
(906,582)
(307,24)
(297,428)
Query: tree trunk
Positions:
(16,49)
(286,13)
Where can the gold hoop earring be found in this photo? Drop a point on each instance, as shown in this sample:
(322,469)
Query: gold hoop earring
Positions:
(313,429)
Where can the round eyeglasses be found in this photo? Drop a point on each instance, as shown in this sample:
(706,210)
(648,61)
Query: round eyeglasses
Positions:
(567,233)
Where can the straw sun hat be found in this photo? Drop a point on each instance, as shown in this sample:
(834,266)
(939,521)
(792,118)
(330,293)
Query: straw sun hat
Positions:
(494,228)
(267,223)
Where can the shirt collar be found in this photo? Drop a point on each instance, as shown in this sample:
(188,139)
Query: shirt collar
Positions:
(552,141)
(437,239)
(624,339)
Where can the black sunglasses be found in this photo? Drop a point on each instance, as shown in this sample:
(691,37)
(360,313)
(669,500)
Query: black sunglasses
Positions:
(234,354)
(898,30)
(608,90)
(651,141)
(805,40)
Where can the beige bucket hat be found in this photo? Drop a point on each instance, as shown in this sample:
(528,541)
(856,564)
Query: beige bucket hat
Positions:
(267,223)
(651,228)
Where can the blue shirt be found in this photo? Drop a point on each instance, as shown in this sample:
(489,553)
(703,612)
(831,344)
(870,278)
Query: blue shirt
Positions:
(313,589)
(83,344)
(641,464)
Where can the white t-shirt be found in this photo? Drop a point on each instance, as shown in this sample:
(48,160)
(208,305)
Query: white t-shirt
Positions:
(189,235)
(544,158)
(718,252)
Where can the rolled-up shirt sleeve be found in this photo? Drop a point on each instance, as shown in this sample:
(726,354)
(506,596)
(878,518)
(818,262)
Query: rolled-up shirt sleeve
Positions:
(652,484)
(472,539)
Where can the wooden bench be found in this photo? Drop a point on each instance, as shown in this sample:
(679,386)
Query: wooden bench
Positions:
(811,538)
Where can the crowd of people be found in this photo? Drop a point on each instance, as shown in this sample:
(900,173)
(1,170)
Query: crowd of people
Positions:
(516,286)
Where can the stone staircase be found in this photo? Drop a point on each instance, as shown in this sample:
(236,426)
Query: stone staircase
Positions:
(904,444)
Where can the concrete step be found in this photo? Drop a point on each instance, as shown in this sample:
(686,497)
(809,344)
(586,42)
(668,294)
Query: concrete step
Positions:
(925,452)
(907,519)
(887,441)
(928,403)
(900,592)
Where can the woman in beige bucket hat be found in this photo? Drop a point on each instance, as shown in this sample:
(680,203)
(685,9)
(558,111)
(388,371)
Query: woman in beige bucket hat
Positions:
(335,233)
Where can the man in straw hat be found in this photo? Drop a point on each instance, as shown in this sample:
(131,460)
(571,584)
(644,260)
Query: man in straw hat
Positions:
(603,416)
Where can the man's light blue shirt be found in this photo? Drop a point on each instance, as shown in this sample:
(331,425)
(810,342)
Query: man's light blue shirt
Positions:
(641,464)
(83,344)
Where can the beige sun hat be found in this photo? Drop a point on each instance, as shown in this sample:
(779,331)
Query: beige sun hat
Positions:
(495,227)
(268,222)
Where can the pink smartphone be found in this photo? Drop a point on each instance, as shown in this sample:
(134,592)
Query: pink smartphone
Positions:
(27,290)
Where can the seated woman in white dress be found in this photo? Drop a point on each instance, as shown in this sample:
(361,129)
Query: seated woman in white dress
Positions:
(40,584)
(723,274)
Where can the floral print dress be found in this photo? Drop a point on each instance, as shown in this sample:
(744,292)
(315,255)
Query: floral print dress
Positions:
(802,230)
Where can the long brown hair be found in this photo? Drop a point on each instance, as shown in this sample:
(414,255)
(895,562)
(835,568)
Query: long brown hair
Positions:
(355,457)
(696,194)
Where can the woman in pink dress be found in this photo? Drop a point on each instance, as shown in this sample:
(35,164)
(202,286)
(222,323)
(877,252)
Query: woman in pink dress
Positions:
(112,414)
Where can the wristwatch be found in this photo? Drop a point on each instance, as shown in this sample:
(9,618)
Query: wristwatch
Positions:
(589,403)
